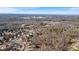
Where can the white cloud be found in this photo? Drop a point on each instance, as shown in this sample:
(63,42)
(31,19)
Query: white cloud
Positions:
(32,10)
(74,11)
(15,9)
(39,3)
(8,10)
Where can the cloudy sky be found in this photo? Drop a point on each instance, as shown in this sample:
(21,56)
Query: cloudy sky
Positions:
(40,10)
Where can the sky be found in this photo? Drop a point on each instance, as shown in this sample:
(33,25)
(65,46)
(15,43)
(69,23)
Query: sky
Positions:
(40,10)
